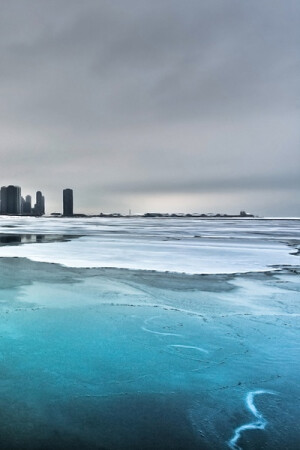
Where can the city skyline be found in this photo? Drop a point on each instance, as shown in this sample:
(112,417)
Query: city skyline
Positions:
(12,202)
(153,106)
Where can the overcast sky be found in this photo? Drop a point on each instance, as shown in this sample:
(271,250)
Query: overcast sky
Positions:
(161,105)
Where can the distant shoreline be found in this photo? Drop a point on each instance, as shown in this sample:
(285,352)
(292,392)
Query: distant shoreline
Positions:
(111,216)
(154,216)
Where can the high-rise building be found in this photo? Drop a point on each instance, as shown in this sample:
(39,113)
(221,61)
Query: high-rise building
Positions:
(27,205)
(68,202)
(22,204)
(13,200)
(3,194)
(39,207)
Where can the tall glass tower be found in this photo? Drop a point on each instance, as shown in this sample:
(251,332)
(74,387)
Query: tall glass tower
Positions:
(40,204)
(68,202)
(13,200)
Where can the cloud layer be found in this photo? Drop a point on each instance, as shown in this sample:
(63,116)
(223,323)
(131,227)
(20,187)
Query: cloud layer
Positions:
(189,106)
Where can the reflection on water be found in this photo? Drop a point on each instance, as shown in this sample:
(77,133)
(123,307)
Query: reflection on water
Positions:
(11,239)
(15,239)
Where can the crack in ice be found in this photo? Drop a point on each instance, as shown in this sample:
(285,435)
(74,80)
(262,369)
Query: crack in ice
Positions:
(260,424)
(161,333)
(200,349)
(146,322)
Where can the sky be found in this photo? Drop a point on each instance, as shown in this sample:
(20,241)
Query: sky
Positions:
(152,106)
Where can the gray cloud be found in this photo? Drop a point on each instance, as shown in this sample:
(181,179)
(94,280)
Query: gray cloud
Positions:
(125,100)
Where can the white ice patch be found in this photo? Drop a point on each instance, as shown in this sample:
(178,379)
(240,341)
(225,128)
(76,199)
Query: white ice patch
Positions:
(175,245)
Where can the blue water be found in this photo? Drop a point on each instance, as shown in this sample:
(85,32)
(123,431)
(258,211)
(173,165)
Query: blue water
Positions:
(117,359)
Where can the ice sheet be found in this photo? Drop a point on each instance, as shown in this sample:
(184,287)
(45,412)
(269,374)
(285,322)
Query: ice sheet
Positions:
(114,359)
(177,245)
(109,358)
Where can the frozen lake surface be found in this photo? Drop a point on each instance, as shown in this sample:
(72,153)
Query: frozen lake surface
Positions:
(101,353)
(176,245)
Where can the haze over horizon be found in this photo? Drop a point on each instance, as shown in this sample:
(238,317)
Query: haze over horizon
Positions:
(164,106)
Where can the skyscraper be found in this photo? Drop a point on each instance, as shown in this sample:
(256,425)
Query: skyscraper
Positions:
(13,196)
(22,204)
(3,200)
(68,202)
(39,207)
(27,205)
(11,202)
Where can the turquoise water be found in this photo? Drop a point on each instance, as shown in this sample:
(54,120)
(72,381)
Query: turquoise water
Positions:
(123,359)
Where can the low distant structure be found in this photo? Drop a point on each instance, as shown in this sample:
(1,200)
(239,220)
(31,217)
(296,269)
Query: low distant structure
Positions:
(198,215)
(154,215)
